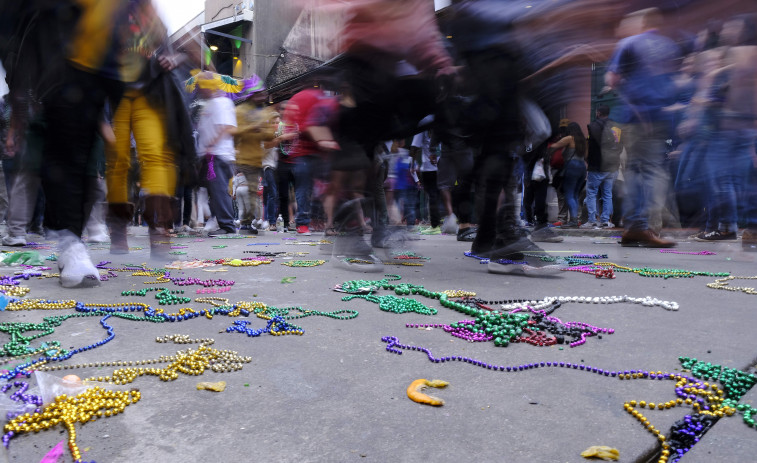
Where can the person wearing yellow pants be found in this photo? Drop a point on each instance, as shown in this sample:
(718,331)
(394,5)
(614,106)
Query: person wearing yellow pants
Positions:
(151,110)
(137,115)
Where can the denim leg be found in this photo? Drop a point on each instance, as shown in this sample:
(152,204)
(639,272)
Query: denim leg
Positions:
(593,181)
(218,195)
(605,191)
(730,166)
(574,172)
(646,177)
(303,188)
(271,195)
(409,198)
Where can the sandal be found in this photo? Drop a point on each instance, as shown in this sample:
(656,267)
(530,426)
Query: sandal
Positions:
(467,234)
(331,231)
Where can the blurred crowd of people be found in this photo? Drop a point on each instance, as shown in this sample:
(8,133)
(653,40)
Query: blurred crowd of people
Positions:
(406,133)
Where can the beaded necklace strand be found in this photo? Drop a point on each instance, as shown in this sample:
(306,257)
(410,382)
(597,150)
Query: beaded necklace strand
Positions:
(722,283)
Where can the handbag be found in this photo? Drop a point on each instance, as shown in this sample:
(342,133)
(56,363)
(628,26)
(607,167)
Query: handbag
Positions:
(538,173)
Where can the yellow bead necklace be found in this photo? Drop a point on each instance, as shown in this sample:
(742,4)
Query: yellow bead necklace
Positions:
(88,406)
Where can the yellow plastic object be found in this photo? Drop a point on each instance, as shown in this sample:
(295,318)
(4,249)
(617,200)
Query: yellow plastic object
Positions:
(601,451)
(217,387)
(413,391)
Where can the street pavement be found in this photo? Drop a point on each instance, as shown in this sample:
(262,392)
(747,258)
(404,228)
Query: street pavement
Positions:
(335,394)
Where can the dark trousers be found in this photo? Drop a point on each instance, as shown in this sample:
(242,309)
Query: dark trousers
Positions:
(73,111)
(219,199)
(535,202)
(429,186)
(270,195)
(284,178)
(495,174)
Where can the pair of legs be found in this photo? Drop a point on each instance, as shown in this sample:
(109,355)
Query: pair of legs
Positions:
(428,180)
(270,195)
(728,165)
(218,191)
(599,184)
(250,202)
(138,116)
(573,181)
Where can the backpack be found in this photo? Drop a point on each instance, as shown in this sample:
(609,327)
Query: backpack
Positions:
(612,146)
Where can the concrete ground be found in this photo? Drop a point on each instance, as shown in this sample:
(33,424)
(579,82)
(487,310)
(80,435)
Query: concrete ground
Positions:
(335,394)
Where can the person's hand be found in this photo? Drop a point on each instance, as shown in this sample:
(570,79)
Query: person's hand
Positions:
(328,145)
(169,62)
(10,145)
(434,159)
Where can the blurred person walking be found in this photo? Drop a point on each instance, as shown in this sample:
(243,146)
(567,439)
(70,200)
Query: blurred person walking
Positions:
(152,110)
(216,128)
(253,129)
(86,75)
(641,69)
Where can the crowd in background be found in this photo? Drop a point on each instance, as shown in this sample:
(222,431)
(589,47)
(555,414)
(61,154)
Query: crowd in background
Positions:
(408,134)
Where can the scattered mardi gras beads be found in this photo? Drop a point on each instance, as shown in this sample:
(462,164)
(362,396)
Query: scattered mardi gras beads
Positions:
(221,289)
(20,396)
(276,326)
(723,283)
(706,399)
(14,291)
(660,272)
(517,327)
(394,304)
(486,260)
(697,253)
(68,410)
(304,263)
(164,296)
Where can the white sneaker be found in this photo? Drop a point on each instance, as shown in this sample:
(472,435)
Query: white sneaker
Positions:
(97,234)
(210,225)
(264,226)
(589,225)
(76,268)
(449,226)
(11,240)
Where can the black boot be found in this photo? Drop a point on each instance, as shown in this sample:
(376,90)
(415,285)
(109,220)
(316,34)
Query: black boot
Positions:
(118,219)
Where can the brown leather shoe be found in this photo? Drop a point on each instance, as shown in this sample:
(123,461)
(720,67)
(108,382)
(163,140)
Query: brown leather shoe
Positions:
(644,239)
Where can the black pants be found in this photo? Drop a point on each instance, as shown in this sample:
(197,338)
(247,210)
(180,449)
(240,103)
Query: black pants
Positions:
(429,186)
(535,202)
(495,229)
(73,110)
(284,178)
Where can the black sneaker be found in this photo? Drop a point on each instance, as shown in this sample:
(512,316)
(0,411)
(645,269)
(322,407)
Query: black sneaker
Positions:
(220,232)
(546,235)
(716,236)
(522,257)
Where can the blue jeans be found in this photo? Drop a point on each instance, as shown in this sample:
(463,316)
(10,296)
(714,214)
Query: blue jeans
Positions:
(646,175)
(302,171)
(575,171)
(599,182)
(728,165)
(409,198)
(270,195)
(219,199)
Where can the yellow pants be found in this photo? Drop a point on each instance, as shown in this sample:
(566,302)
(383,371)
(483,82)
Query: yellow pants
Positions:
(157,161)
